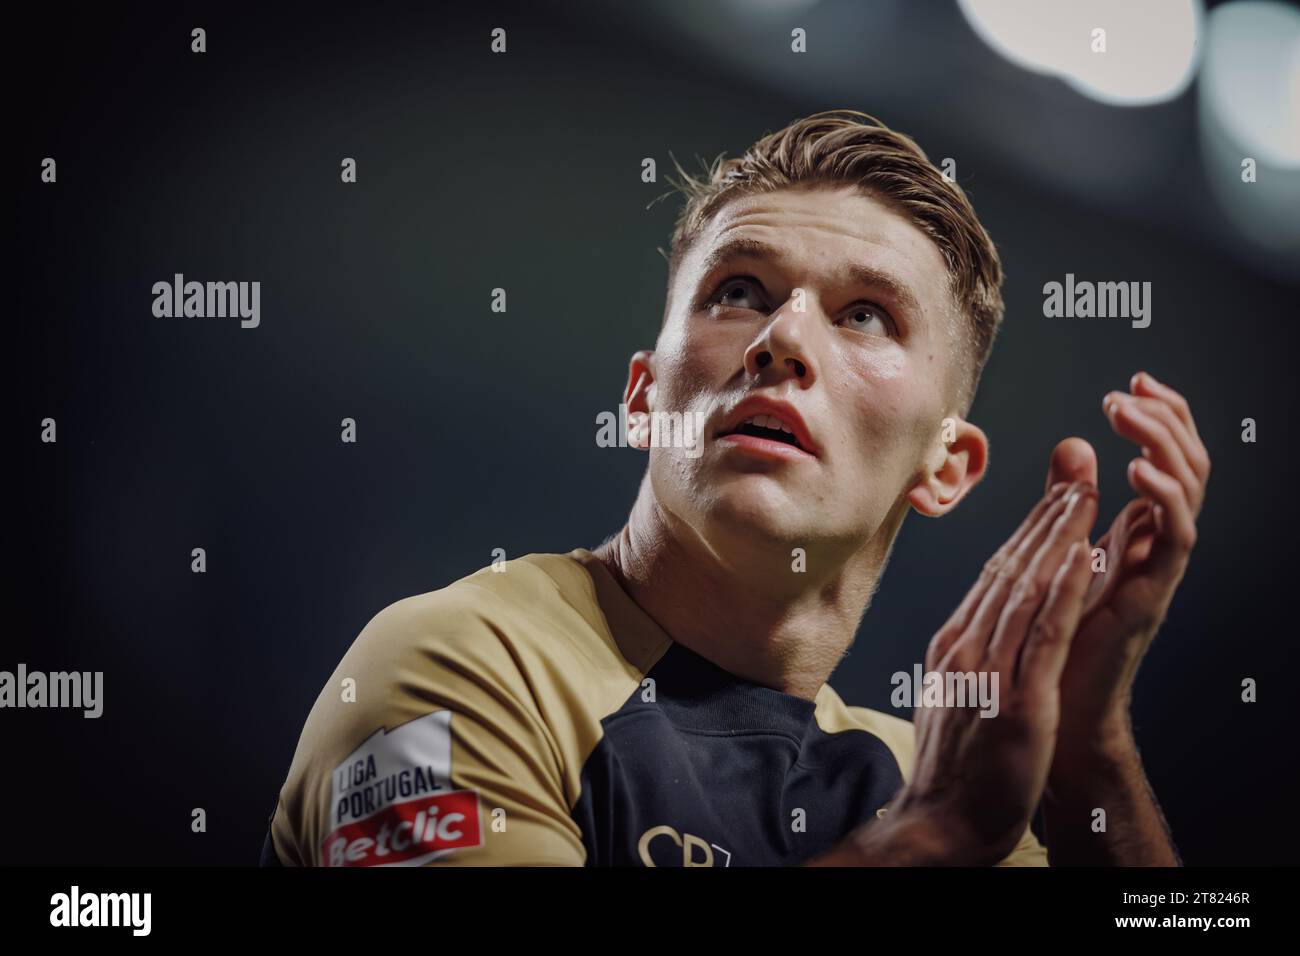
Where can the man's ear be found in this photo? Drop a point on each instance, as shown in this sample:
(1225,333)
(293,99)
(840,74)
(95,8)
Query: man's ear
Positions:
(639,397)
(955,466)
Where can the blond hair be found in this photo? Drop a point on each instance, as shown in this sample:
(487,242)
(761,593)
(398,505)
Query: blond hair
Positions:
(849,147)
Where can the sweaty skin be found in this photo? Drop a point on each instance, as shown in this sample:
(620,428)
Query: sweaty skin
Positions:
(715,532)
(830,304)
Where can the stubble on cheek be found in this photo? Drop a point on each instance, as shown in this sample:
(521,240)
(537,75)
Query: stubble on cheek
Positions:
(683,389)
(897,420)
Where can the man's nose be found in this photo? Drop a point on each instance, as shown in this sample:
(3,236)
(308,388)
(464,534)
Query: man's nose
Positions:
(784,348)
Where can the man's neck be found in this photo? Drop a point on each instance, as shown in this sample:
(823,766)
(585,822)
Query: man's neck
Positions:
(753,615)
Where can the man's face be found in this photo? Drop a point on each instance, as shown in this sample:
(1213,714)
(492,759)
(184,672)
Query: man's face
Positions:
(836,310)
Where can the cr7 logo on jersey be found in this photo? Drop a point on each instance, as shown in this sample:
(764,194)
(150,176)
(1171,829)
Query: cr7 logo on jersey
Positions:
(664,846)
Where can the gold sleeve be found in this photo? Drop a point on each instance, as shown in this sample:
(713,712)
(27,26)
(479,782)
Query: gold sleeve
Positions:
(454,730)
(428,747)
(1028,852)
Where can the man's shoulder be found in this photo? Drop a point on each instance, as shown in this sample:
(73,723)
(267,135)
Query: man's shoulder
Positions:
(898,734)
(534,609)
(514,657)
(531,585)
(536,583)
(510,630)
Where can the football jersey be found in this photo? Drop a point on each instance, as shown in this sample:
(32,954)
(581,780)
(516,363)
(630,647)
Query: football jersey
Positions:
(532,714)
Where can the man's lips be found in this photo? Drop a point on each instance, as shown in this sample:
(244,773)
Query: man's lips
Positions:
(769,428)
(765,447)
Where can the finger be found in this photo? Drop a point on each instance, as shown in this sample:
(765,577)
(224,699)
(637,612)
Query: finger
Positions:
(1190,445)
(1072,460)
(1193,448)
(971,645)
(1030,590)
(965,652)
(1179,524)
(1114,543)
(1142,425)
(1002,562)
(1188,441)
(1047,646)
(1144,383)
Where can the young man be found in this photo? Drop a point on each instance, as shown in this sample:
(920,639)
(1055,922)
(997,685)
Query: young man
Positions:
(662,700)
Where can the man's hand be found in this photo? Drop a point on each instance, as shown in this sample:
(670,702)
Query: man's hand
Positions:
(1096,766)
(1146,552)
(977,781)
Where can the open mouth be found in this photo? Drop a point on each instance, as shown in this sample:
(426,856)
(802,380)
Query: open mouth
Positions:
(769,427)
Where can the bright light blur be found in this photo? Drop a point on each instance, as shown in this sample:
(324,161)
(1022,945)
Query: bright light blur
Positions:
(1151,45)
(1250,83)
(1248,100)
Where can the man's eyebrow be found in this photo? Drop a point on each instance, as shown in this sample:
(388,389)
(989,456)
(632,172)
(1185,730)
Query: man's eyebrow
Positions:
(737,248)
(741,247)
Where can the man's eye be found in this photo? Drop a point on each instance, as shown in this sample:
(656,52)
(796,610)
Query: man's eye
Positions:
(739,294)
(870,319)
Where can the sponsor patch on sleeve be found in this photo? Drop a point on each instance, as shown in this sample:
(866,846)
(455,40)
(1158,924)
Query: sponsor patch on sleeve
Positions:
(391,801)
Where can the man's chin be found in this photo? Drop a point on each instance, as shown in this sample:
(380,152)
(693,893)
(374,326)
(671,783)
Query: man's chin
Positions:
(763,510)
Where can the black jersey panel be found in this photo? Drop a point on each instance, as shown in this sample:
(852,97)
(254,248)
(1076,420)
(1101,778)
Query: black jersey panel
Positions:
(700,768)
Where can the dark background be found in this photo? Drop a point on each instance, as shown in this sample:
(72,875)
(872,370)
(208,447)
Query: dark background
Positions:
(476,430)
